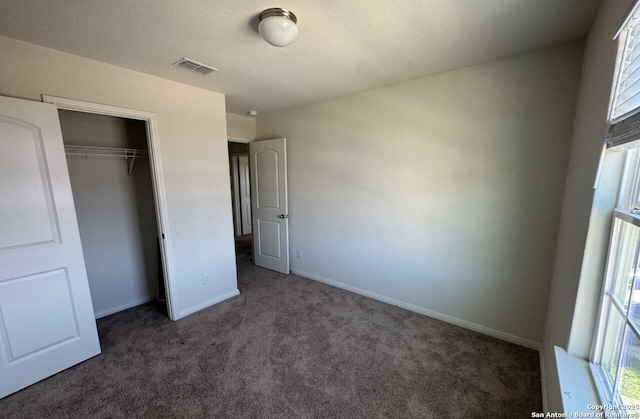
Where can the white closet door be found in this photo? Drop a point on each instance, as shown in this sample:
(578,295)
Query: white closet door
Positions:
(46,316)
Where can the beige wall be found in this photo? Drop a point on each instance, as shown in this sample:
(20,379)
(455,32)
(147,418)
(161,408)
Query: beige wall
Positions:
(193,144)
(441,194)
(572,313)
(240,127)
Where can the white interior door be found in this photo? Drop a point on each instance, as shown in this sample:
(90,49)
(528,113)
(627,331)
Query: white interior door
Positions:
(245,194)
(46,316)
(235,195)
(270,209)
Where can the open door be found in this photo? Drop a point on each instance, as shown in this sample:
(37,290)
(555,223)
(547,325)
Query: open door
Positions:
(269,206)
(46,315)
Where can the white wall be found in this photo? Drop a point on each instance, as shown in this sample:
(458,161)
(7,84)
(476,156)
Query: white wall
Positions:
(441,194)
(572,313)
(240,127)
(116,212)
(193,144)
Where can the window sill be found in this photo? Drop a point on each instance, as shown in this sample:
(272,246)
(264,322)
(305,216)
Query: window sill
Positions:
(577,387)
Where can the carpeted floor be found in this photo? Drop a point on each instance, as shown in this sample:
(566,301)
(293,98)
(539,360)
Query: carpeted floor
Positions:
(288,347)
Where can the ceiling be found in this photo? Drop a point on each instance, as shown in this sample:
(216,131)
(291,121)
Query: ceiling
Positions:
(343,47)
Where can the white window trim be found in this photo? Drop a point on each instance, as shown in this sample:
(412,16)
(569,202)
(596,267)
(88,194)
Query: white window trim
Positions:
(628,194)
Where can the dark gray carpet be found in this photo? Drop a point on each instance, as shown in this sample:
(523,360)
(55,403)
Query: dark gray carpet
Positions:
(288,347)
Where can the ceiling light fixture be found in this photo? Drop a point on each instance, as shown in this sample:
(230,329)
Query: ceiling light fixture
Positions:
(278,26)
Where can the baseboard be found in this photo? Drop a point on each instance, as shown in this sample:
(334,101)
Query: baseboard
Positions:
(543,380)
(208,303)
(113,310)
(425,311)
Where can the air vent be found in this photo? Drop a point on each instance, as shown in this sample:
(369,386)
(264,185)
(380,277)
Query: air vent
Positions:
(192,65)
(205,70)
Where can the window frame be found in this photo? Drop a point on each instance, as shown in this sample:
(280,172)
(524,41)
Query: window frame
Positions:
(625,212)
(623,129)
(623,43)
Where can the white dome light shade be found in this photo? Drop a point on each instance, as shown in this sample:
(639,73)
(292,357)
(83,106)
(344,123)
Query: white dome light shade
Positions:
(278,27)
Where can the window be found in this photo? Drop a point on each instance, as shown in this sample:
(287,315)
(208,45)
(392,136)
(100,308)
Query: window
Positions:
(616,352)
(627,98)
(624,112)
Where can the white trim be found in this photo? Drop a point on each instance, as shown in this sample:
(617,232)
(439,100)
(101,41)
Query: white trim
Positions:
(207,303)
(577,388)
(235,139)
(97,108)
(155,161)
(604,390)
(113,310)
(425,311)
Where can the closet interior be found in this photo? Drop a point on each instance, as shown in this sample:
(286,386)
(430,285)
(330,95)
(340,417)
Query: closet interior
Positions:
(113,194)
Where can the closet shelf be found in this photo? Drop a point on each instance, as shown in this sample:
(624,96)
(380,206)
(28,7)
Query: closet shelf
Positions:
(129,153)
(104,151)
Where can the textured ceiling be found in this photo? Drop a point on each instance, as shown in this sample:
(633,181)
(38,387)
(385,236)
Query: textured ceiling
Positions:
(343,46)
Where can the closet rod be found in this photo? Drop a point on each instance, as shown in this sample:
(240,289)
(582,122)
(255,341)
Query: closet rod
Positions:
(104,151)
(129,153)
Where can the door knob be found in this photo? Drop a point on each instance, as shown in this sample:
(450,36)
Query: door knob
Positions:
(283,216)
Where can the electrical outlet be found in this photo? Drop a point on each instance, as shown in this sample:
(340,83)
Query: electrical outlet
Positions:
(205,279)
(299,253)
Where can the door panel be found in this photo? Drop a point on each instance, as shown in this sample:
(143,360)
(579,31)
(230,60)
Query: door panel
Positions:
(28,199)
(46,316)
(43,299)
(268,195)
(269,204)
(267,231)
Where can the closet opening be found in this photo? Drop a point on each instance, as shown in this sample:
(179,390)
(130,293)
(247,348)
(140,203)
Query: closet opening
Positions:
(241,199)
(113,190)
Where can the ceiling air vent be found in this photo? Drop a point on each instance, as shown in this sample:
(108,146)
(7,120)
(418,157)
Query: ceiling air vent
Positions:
(192,65)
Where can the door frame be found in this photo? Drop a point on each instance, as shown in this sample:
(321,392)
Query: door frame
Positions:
(157,179)
(241,140)
(235,195)
(244,183)
(236,191)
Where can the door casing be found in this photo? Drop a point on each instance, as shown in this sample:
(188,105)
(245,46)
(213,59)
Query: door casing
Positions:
(155,161)
(245,194)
